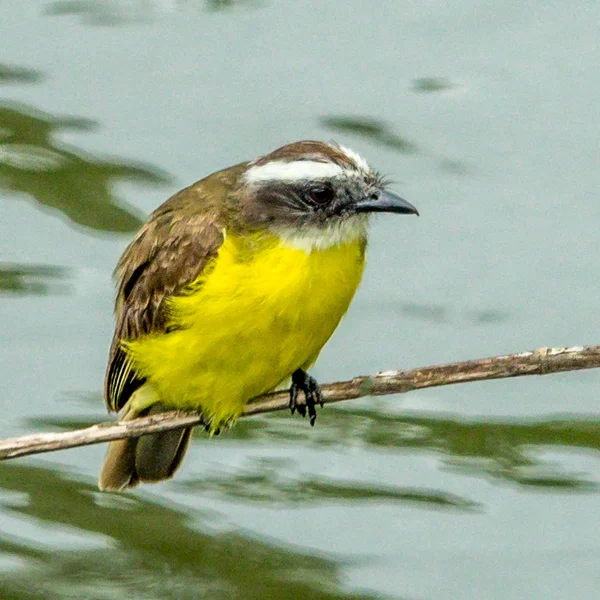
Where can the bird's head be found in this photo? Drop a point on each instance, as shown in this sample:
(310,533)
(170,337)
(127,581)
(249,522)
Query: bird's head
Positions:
(314,194)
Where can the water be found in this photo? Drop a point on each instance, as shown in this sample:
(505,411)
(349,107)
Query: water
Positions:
(485,117)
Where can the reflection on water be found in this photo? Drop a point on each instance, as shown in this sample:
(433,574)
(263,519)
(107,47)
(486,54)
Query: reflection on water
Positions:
(116,12)
(427,85)
(39,280)
(160,551)
(441,313)
(509,450)
(61,177)
(381,134)
(372,129)
(13,74)
(502,449)
(104,12)
(219,5)
(265,481)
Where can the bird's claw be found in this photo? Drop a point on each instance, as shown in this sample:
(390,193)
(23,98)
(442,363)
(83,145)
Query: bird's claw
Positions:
(301,380)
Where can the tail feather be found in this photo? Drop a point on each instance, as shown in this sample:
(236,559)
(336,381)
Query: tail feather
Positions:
(158,455)
(149,458)
(118,470)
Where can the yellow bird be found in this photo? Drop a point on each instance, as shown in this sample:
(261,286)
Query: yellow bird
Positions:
(230,289)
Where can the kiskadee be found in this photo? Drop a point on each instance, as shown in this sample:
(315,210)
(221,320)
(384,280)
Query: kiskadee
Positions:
(231,289)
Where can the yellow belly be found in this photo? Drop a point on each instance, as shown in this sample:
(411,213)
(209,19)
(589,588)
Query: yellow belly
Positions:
(258,312)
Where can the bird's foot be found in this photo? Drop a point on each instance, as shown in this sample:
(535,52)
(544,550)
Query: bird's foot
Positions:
(301,380)
(211,431)
(211,427)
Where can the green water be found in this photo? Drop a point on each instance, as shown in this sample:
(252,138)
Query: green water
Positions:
(485,116)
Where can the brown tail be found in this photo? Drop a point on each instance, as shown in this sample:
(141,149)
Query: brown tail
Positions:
(149,458)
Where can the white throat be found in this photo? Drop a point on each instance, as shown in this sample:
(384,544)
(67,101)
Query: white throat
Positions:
(309,239)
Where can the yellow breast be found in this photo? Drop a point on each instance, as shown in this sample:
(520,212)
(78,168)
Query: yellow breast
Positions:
(257,313)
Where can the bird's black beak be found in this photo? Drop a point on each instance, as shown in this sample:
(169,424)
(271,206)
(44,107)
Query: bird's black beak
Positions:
(383,201)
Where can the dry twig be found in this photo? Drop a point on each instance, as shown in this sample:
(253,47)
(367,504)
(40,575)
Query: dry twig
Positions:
(538,362)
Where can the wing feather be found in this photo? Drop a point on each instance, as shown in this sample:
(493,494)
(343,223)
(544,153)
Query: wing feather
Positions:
(168,253)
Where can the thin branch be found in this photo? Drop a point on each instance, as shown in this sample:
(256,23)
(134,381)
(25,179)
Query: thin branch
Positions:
(538,362)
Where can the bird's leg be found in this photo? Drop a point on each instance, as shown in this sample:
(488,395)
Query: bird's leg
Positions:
(301,380)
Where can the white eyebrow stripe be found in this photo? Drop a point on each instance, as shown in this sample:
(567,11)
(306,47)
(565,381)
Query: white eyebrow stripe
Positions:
(297,170)
(360,162)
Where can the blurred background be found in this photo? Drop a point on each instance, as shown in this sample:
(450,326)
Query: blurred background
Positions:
(485,116)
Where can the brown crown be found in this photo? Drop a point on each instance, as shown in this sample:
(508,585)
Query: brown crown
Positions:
(308,150)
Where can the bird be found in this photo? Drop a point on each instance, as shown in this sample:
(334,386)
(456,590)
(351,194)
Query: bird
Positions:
(231,289)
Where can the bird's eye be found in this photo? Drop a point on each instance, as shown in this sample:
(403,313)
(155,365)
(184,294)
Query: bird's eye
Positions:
(321,194)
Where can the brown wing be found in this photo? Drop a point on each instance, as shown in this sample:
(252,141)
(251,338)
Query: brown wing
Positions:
(168,253)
